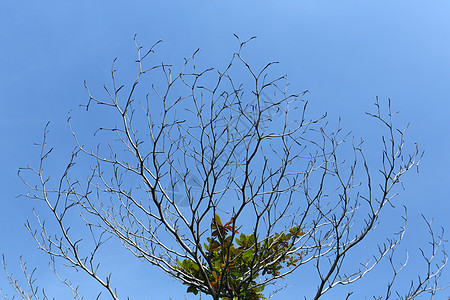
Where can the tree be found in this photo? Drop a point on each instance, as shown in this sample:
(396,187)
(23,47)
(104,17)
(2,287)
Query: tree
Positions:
(198,147)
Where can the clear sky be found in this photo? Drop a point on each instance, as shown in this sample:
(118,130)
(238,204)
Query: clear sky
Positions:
(344,52)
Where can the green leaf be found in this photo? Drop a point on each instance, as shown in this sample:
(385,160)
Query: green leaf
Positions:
(247,256)
(217,219)
(251,238)
(192,289)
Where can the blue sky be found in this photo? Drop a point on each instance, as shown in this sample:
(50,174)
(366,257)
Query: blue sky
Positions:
(344,52)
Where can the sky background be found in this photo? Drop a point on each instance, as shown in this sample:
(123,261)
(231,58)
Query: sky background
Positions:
(346,53)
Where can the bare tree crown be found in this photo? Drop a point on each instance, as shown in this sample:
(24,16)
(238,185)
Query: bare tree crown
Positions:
(226,185)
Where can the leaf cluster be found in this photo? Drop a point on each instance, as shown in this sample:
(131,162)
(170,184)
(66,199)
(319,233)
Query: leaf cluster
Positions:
(236,261)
